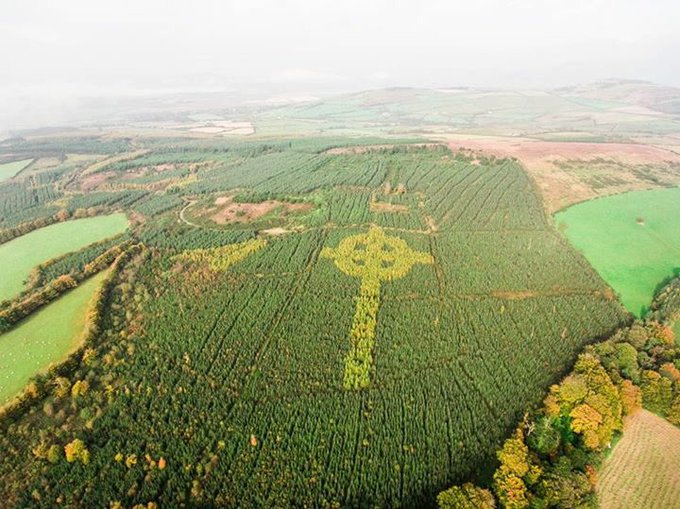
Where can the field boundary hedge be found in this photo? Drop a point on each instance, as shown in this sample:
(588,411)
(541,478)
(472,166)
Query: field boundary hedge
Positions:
(41,384)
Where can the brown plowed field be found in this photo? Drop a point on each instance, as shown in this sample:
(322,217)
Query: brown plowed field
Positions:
(643,471)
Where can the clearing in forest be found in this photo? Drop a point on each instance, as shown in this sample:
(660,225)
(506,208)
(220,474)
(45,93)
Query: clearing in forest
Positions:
(19,256)
(644,467)
(630,241)
(44,338)
(225,210)
(9,170)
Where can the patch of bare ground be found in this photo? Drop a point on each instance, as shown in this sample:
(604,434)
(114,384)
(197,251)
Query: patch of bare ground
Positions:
(431,225)
(571,172)
(643,470)
(136,218)
(275,231)
(383,206)
(95,180)
(229,211)
(514,295)
(554,292)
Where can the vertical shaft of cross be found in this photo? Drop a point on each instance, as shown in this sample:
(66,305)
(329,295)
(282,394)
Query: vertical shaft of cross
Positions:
(359,359)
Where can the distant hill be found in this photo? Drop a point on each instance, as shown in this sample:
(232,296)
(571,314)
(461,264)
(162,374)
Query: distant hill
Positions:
(615,109)
(633,92)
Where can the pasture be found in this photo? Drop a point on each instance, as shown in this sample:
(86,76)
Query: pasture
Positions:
(631,239)
(9,170)
(19,256)
(44,338)
(643,470)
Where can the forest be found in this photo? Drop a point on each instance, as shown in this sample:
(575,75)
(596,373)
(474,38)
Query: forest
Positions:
(373,349)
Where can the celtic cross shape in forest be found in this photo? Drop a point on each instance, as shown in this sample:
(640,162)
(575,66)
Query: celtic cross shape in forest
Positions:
(372,257)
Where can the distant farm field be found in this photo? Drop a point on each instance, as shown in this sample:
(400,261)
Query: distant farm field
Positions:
(20,255)
(632,240)
(644,467)
(44,338)
(8,170)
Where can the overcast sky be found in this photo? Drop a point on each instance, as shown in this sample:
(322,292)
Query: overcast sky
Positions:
(68,48)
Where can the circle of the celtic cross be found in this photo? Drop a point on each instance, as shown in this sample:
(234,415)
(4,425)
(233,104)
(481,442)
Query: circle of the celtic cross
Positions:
(375,255)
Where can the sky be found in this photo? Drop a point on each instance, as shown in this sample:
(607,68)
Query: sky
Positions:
(56,53)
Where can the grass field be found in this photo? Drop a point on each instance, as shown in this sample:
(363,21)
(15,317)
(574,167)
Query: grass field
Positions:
(629,239)
(644,467)
(8,170)
(20,255)
(44,338)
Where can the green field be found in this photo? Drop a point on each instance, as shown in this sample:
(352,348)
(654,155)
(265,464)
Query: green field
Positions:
(19,256)
(44,338)
(8,170)
(632,240)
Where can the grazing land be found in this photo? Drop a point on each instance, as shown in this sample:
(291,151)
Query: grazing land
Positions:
(643,470)
(19,256)
(9,170)
(632,240)
(45,338)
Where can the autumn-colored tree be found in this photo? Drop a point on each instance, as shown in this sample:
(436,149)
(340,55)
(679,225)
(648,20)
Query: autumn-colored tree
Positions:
(510,490)
(668,370)
(586,421)
(79,388)
(509,479)
(54,454)
(592,402)
(657,392)
(62,215)
(62,386)
(131,460)
(662,332)
(674,412)
(631,397)
(467,496)
(76,451)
